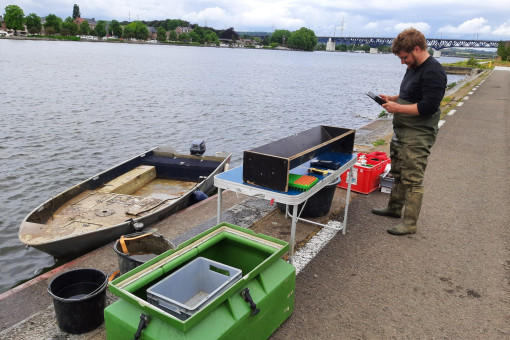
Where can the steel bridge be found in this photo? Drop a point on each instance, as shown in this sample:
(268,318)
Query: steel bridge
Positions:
(436,44)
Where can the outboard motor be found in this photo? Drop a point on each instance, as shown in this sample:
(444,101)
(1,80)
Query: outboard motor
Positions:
(197,147)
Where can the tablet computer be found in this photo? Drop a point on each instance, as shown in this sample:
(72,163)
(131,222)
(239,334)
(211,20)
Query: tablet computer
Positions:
(375,97)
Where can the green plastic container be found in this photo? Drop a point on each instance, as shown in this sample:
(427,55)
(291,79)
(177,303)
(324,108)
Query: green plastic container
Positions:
(235,314)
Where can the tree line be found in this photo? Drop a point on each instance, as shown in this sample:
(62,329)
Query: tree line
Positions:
(14,18)
(504,50)
(302,39)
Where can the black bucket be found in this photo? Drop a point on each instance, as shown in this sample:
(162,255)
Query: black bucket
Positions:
(79,297)
(319,204)
(141,248)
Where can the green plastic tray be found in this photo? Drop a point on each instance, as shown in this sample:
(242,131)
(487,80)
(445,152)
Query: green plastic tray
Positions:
(293,178)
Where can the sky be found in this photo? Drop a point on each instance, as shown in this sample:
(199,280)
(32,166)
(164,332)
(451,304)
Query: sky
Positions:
(445,19)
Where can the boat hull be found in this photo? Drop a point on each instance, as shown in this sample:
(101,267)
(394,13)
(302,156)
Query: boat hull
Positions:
(45,228)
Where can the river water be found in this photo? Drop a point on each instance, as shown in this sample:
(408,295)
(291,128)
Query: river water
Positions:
(69,110)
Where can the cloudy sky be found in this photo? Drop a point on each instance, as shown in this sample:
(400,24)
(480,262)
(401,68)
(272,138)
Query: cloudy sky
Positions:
(448,19)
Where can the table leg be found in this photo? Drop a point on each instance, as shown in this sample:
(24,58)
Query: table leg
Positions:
(293,233)
(218,212)
(347,199)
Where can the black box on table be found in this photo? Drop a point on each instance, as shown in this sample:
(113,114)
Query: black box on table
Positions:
(268,165)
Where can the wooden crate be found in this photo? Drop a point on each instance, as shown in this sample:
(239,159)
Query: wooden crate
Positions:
(268,165)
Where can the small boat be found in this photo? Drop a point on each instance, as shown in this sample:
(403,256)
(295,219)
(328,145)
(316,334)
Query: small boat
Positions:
(121,200)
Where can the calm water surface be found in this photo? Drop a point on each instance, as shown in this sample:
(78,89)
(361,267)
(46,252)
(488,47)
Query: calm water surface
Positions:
(70,110)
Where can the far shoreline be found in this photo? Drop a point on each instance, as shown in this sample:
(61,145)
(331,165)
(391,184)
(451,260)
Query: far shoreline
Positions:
(185,44)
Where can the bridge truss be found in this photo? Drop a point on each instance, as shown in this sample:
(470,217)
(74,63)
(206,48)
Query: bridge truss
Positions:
(436,44)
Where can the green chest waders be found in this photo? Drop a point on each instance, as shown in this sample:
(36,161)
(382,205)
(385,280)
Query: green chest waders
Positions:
(409,150)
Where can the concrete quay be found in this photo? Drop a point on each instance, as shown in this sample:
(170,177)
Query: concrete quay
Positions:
(449,280)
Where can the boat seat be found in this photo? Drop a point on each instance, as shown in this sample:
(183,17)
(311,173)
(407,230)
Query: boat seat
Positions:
(183,168)
(131,181)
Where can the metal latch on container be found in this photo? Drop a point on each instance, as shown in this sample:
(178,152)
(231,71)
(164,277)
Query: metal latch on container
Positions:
(245,294)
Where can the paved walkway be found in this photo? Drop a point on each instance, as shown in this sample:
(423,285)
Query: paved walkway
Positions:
(450,280)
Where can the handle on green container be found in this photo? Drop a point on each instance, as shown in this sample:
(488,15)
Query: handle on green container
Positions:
(245,294)
(144,322)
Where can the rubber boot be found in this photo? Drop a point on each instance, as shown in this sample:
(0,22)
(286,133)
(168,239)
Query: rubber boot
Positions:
(395,204)
(411,213)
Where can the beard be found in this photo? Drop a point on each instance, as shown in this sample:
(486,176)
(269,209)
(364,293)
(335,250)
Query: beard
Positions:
(413,63)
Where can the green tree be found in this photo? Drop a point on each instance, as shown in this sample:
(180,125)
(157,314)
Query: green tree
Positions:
(76,11)
(211,37)
(171,24)
(280,36)
(303,39)
(84,28)
(472,62)
(193,37)
(230,34)
(197,35)
(384,48)
(101,28)
(52,24)
(115,29)
(504,50)
(69,27)
(341,47)
(161,34)
(14,18)
(172,36)
(136,30)
(184,37)
(127,33)
(33,23)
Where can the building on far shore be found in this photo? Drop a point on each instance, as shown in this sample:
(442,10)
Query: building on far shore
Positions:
(180,30)
(92,22)
(153,33)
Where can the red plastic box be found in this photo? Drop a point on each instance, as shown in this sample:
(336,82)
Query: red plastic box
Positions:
(365,178)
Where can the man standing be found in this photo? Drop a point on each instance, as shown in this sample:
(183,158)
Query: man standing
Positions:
(415,125)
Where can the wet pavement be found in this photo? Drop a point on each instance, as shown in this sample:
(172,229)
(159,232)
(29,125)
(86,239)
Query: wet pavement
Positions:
(451,279)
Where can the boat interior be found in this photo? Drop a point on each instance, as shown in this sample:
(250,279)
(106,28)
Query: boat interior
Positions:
(132,189)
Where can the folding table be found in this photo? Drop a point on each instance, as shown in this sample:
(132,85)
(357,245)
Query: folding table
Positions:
(233,180)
